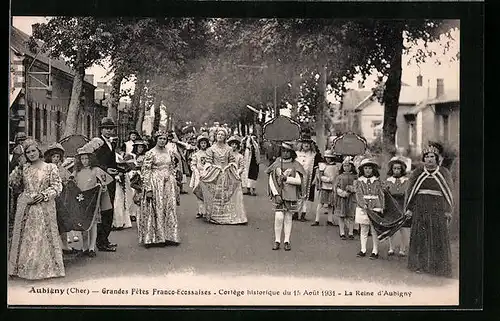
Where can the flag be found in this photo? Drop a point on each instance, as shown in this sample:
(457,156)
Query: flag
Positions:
(388,222)
(76,209)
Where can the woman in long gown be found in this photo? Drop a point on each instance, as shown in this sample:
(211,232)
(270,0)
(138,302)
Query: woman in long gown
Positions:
(429,202)
(36,251)
(221,184)
(123,194)
(139,150)
(157,223)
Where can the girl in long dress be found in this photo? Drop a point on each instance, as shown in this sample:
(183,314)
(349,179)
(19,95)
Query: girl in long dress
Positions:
(157,223)
(235,144)
(327,173)
(251,158)
(121,216)
(139,150)
(55,155)
(87,176)
(221,184)
(345,198)
(396,184)
(429,202)
(198,160)
(35,251)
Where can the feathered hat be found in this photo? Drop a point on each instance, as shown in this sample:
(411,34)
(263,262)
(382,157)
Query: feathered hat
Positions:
(54,148)
(233,139)
(84,151)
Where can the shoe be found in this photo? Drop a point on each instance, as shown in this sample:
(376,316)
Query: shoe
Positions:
(303,217)
(390,253)
(373,256)
(133,219)
(342,237)
(107,249)
(402,254)
(361,254)
(75,239)
(199,215)
(112,245)
(295,216)
(85,253)
(315,224)
(330,223)
(91,254)
(351,237)
(276,246)
(287,246)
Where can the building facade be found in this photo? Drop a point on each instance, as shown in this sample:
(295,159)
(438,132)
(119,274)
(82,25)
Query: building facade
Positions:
(42,92)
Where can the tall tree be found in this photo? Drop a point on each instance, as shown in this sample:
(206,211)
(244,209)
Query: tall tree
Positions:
(82,41)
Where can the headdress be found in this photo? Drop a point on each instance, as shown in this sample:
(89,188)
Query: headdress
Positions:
(140,142)
(31,142)
(160,133)
(431,149)
(54,148)
(221,129)
(20,137)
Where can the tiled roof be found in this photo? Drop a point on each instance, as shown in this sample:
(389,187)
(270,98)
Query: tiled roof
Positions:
(18,42)
(352,98)
(408,95)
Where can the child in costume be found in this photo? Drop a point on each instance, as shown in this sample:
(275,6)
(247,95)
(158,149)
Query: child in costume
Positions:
(369,196)
(198,160)
(345,198)
(327,173)
(286,187)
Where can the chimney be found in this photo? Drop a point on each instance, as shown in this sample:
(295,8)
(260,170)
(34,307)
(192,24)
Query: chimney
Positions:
(419,80)
(89,78)
(439,87)
(360,85)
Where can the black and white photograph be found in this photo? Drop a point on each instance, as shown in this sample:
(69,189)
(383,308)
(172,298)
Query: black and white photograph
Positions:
(168,161)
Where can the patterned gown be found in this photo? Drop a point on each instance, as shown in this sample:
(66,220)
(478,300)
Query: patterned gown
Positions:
(221,186)
(157,221)
(35,252)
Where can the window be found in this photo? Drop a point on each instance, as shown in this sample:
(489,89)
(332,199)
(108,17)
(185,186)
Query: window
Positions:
(45,122)
(446,132)
(89,126)
(412,133)
(58,125)
(30,120)
(37,124)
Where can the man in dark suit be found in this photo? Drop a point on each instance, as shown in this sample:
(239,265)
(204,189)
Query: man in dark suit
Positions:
(106,159)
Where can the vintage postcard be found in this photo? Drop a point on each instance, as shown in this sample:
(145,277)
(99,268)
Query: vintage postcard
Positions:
(234,161)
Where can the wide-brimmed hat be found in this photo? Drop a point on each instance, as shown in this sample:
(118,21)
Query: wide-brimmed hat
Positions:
(54,148)
(133,131)
(329,154)
(83,151)
(368,161)
(233,139)
(107,122)
(287,146)
(20,136)
(397,160)
(202,137)
(348,160)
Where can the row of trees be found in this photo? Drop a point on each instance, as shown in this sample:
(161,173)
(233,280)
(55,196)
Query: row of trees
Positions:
(206,69)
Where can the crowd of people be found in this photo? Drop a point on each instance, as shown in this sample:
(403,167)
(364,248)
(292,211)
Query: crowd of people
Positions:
(141,180)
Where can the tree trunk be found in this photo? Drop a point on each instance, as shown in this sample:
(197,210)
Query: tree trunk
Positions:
(138,103)
(294,113)
(75,102)
(319,125)
(391,92)
(115,95)
(157,112)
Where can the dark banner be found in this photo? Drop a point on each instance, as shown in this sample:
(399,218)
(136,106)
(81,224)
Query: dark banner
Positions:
(76,209)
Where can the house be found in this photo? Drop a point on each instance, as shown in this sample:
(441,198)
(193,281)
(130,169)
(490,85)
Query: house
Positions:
(424,114)
(434,119)
(365,114)
(41,91)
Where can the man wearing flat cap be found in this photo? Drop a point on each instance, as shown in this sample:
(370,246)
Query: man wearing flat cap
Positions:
(104,152)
